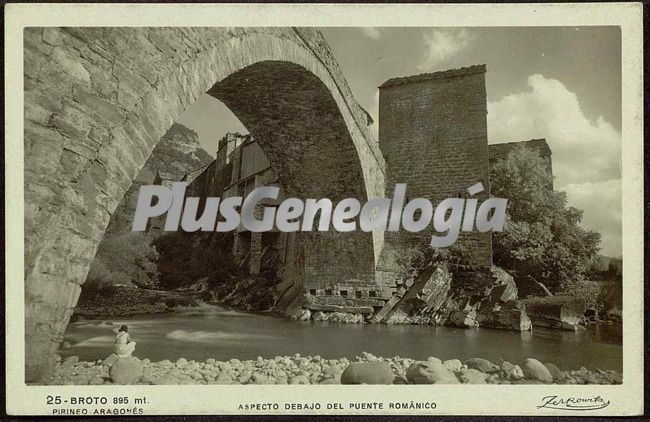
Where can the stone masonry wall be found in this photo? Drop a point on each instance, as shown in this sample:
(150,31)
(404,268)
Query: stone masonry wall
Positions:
(433,134)
(96,102)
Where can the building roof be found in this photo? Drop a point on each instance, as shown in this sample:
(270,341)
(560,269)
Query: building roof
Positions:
(445,74)
(502,149)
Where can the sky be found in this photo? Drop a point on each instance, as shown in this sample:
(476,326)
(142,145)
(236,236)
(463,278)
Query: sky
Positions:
(558,83)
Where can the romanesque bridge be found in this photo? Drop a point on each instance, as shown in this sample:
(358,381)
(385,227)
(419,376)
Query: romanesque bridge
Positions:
(98,99)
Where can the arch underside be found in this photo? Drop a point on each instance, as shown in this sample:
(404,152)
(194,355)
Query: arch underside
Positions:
(97,100)
(293,117)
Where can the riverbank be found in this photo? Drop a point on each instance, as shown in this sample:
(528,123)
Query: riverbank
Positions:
(297,369)
(131,301)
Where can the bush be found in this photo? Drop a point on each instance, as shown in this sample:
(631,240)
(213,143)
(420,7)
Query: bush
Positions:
(126,259)
(590,292)
(543,238)
(188,257)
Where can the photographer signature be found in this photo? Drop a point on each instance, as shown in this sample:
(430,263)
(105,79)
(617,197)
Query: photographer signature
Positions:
(573,403)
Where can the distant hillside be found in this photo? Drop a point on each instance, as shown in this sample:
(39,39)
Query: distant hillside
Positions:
(177,153)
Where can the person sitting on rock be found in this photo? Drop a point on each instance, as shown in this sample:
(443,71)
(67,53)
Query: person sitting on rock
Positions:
(124,346)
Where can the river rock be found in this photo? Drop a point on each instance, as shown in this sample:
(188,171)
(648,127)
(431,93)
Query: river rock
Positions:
(453,365)
(511,371)
(463,318)
(303,315)
(554,370)
(376,372)
(400,379)
(70,361)
(430,372)
(534,369)
(110,359)
(482,365)
(96,380)
(299,380)
(319,316)
(472,376)
(127,370)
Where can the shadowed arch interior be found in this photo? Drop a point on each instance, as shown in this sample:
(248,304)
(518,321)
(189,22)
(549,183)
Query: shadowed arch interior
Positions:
(295,120)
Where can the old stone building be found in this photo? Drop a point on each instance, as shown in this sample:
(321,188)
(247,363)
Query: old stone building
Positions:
(241,166)
(433,136)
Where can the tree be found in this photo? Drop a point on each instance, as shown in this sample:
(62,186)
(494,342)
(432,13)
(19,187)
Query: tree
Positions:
(127,259)
(542,238)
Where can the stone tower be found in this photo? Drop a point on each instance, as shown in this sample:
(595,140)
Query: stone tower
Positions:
(433,135)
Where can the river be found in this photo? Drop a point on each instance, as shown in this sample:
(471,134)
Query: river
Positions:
(209,331)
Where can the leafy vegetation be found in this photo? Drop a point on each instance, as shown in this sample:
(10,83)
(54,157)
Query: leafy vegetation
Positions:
(126,259)
(543,240)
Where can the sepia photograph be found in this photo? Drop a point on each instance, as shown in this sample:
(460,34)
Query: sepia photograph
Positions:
(417,206)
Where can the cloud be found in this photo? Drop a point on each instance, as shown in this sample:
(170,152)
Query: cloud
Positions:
(443,44)
(583,151)
(586,154)
(373,33)
(601,203)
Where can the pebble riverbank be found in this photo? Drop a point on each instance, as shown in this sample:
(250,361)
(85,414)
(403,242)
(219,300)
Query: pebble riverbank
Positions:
(296,369)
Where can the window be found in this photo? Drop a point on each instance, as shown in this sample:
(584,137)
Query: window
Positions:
(372,293)
(344,292)
(358,293)
(312,292)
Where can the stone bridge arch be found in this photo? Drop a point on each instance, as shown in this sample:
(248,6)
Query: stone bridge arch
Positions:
(98,99)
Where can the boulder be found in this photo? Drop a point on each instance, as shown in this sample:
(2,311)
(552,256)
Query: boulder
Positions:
(559,311)
(319,316)
(430,372)
(472,376)
(110,359)
(510,316)
(303,315)
(453,365)
(127,370)
(511,372)
(400,379)
(96,380)
(506,290)
(299,380)
(70,361)
(463,318)
(534,369)
(376,372)
(482,365)
(554,370)
(223,378)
